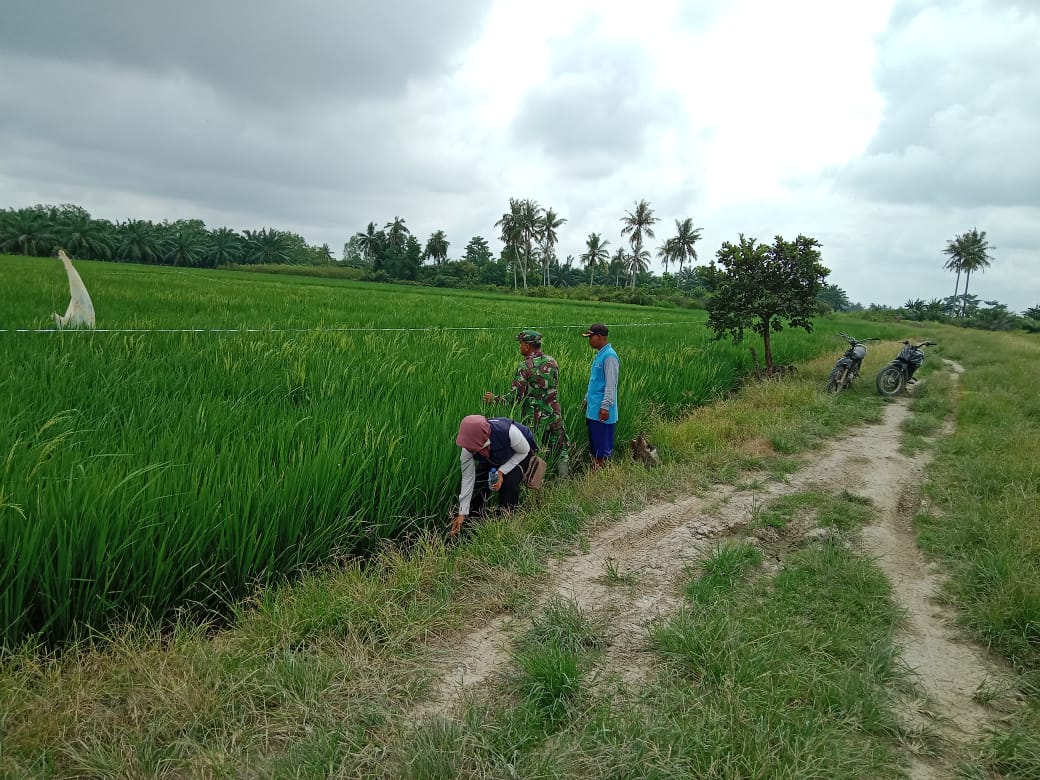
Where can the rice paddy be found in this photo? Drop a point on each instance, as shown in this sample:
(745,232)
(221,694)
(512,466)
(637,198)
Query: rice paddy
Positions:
(148,468)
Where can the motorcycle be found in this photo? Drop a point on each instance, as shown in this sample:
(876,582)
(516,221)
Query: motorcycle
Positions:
(900,372)
(848,365)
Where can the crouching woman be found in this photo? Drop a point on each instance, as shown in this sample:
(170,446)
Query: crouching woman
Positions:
(498,443)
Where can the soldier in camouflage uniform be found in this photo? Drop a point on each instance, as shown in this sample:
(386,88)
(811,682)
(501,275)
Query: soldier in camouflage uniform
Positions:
(534,388)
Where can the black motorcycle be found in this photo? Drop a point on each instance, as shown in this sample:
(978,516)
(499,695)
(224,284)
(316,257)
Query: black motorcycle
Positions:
(848,365)
(900,372)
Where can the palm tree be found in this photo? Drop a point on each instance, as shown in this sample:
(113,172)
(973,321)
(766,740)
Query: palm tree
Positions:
(977,259)
(137,242)
(370,242)
(684,249)
(520,232)
(595,254)
(639,263)
(397,233)
(267,246)
(224,246)
(666,252)
(27,231)
(637,224)
(185,247)
(968,252)
(618,265)
(82,236)
(512,235)
(548,238)
(436,248)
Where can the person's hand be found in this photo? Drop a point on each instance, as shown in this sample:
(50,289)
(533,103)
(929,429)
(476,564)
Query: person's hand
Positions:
(604,415)
(584,404)
(456,524)
(488,397)
(498,483)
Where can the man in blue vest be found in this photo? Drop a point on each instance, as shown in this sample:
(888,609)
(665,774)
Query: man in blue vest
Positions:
(600,404)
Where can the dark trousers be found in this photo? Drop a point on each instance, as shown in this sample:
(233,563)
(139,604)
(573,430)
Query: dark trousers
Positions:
(508,494)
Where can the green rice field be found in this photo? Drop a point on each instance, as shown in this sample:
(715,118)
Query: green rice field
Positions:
(145,470)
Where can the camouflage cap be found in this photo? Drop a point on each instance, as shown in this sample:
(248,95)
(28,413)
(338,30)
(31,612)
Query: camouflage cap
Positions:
(529,336)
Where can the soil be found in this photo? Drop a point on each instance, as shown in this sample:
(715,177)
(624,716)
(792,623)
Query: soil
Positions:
(632,572)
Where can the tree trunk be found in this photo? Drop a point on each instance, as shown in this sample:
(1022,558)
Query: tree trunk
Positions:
(964,305)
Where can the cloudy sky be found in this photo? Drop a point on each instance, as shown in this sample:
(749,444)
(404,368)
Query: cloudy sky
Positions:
(882,128)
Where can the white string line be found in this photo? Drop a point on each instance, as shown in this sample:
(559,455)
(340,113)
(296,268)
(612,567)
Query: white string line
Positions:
(316,330)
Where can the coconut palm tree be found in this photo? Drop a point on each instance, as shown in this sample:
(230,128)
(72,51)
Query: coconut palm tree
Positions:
(512,235)
(436,248)
(595,254)
(977,259)
(638,224)
(546,226)
(618,265)
(370,242)
(968,252)
(520,231)
(684,243)
(639,263)
(666,253)
(397,233)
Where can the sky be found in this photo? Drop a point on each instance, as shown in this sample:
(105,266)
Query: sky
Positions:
(883,128)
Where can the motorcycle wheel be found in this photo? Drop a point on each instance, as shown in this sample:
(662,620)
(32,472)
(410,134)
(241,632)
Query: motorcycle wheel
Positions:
(890,381)
(836,382)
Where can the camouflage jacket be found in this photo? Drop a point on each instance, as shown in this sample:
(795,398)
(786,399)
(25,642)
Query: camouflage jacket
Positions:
(534,388)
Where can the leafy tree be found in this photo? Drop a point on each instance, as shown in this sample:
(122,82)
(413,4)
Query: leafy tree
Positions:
(595,254)
(477,251)
(638,223)
(1033,313)
(760,286)
(353,257)
(436,248)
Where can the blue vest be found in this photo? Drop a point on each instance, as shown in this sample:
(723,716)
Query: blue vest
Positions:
(501,450)
(598,385)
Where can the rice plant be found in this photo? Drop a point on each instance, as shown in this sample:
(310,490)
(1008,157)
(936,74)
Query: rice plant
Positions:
(220,430)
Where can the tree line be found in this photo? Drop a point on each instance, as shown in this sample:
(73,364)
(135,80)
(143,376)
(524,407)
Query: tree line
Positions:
(528,260)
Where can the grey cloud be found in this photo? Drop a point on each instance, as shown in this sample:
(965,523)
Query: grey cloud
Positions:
(962,111)
(258,50)
(596,109)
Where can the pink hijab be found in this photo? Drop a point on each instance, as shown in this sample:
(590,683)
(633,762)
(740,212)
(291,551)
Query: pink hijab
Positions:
(474,431)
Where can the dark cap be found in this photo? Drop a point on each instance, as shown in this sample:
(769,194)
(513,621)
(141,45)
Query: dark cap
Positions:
(596,330)
(529,336)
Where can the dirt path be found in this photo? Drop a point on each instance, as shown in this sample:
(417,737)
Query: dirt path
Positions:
(633,571)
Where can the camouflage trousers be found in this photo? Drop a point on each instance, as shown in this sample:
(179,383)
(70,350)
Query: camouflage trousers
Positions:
(551,437)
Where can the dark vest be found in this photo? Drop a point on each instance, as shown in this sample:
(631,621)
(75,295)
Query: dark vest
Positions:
(501,450)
